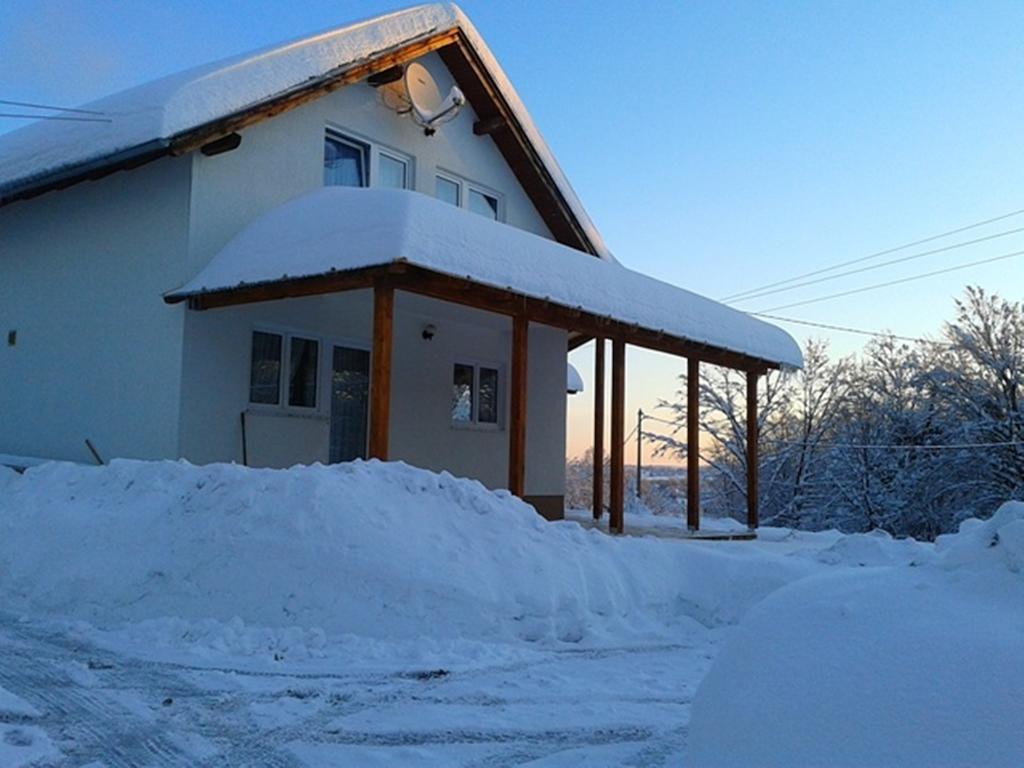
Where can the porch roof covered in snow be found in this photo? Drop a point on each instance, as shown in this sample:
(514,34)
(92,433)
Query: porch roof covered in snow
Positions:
(337,238)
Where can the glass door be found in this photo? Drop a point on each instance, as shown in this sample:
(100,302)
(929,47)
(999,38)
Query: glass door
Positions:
(350,397)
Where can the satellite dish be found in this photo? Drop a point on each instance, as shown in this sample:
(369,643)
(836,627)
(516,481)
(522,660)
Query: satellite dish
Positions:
(426,107)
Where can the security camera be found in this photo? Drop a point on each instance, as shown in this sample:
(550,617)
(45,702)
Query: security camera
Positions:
(428,332)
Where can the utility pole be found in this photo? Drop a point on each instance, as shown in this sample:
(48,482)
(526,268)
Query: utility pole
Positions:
(639,443)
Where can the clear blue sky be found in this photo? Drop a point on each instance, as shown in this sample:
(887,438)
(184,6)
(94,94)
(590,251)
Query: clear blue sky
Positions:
(719,146)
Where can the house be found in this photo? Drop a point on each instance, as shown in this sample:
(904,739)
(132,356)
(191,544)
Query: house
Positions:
(267,260)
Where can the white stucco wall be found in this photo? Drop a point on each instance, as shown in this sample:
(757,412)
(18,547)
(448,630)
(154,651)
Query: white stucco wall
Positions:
(82,271)
(215,383)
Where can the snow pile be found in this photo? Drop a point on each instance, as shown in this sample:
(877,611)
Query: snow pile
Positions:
(904,665)
(372,549)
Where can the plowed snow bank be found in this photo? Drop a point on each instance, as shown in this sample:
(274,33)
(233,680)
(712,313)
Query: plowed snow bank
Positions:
(374,549)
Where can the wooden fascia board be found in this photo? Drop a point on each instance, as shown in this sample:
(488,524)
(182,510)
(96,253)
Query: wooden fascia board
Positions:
(311,91)
(577,341)
(465,292)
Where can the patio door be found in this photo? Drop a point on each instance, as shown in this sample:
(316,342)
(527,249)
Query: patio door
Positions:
(350,397)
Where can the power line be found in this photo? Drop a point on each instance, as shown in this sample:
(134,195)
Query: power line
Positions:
(875,255)
(58,117)
(899,446)
(10,103)
(889,263)
(847,329)
(895,282)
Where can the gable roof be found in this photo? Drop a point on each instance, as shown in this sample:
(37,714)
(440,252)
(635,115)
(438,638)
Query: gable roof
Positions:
(325,238)
(180,113)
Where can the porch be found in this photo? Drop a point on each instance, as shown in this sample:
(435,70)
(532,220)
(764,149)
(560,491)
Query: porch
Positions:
(340,240)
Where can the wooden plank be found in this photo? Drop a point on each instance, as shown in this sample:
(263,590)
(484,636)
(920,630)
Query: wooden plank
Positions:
(578,340)
(380,374)
(517,406)
(502,301)
(310,91)
(598,490)
(752,453)
(693,444)
(617,490)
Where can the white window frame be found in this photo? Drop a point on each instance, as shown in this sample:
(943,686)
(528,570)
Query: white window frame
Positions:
(465,186)
(377,152)
(474,422)
(363,146)
(282,405)
(374,150)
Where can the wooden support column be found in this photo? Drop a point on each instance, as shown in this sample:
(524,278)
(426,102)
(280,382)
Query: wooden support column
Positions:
(598,492)
(517,407)
(618,449)
(693,444)
(380,374)
(752,468)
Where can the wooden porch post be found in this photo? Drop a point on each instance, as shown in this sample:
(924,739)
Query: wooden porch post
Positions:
(752,468)
(692,443)
(618,449)
(598,492)
(380,375)
(517,406)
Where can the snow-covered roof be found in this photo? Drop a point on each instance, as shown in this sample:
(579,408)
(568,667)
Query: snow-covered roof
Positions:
(338,229)
(145,118)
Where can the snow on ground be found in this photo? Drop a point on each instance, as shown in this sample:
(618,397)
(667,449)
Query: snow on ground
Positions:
(374,614)
(917,662)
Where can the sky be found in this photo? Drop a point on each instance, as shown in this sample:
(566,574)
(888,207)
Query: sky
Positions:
(719,146)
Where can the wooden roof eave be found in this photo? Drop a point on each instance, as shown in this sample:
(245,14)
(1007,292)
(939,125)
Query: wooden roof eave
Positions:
(466,292)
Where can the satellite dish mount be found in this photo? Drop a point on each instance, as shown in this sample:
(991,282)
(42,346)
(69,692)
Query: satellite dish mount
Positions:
(418,96)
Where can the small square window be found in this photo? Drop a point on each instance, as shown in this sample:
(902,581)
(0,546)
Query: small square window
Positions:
(447,190)
(393,172)
(302,372)
(345,162)
(265,371)
(485,205)
(462,393)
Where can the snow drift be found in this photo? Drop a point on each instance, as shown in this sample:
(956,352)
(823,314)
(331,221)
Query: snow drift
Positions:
(917,664)
(372,549)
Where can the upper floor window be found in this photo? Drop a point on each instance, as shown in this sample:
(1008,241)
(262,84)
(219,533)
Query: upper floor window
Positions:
(392,171)
(465,194)
(448,190)
(350,162)
(346,162)
(484,204)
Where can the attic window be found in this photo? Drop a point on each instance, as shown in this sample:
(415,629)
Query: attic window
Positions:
(463,193)
(484,204)
(345,162)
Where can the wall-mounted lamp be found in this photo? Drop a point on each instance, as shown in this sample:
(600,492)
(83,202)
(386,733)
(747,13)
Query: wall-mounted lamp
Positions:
(428,332)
